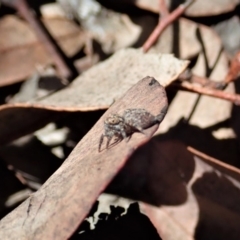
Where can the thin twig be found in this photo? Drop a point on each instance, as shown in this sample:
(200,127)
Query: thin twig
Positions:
(165,22)
(234,98)
(163,10)
(232,75)
(187,75)
(212,160)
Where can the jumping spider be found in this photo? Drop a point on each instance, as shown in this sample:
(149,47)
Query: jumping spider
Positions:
(133,120)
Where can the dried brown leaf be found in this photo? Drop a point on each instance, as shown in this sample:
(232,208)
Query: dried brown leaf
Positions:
(111,29)
(104,83)
(197,9)
(95,89)
(67,196)
(191,40)
(197,40)
(184,195)
(21,52)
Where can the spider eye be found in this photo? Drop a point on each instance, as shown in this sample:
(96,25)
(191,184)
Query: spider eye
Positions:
(113,120)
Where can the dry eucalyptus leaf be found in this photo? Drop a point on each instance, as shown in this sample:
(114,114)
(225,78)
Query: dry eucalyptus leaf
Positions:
(229,32)
(183,39)
(158,174)
(21,52)
(68,35)
(95,89)
(104,83)
(111,29)
(187,44)
(52,10)
(209,111)
(197,40)
(71,191)
(209,8)
(197,9)
(204,139)
(181,192)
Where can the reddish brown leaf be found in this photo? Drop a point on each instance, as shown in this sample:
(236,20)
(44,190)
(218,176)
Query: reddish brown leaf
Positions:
(21,52)
(19,121)
(182,192)
(64,200)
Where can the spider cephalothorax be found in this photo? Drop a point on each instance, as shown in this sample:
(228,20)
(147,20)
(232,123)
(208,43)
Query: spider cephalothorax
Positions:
(133,120)
(114,126)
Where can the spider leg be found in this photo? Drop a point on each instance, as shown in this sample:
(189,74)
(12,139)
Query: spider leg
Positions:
(108,141)
(123,133)
(100,142)
(117,139)
(128,138)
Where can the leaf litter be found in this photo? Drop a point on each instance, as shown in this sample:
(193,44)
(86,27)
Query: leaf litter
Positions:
(95,89)
(198,9)
(64,190)
(186,194)
(20,42)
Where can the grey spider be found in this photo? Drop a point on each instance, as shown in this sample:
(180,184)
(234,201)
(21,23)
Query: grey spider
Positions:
(133,120)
